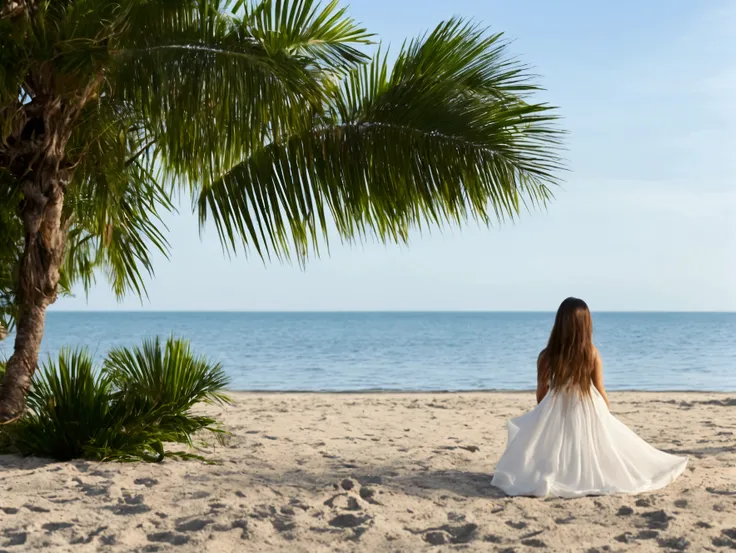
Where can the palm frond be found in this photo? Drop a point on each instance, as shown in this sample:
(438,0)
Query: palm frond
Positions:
(68,407)
(267,114)
(127,411)
(213,87)
(119,234)
(164,383)
(467,53)
(13,67)
(447,136)
(115,205)
(166,374)
(323,34)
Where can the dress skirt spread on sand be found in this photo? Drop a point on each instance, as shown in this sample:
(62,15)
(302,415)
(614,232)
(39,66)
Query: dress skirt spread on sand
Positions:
(570,446)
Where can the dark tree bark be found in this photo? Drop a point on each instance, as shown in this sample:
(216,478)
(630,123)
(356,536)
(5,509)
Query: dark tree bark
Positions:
(35,154)
(38,158)
(38,280)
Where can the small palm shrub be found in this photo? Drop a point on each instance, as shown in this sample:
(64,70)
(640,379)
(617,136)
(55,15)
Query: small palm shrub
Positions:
(127,410)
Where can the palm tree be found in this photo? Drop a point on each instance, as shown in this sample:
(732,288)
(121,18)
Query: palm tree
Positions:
(268,115)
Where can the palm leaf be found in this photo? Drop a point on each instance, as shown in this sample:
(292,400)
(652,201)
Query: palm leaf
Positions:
(213,87)
(446,136)
(166,374)
(164,383)
(128,411)
(325,35)
(115,204)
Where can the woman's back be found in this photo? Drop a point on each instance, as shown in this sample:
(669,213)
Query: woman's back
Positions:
(594,378)
(570,358)
(571,445)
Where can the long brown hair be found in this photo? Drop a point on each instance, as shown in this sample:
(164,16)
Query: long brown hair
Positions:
(569,359)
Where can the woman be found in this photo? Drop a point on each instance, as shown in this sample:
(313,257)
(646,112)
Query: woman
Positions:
(570,445)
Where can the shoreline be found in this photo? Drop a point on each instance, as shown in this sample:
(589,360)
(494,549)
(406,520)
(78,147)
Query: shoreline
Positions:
(340,472)
(383,392)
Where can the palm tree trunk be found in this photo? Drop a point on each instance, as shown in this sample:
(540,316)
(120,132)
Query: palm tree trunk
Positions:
(22,364)
(43,187)
(38,280)
(39,161)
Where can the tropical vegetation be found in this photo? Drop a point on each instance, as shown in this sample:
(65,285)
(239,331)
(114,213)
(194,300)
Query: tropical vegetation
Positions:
(128,409)
(269,116)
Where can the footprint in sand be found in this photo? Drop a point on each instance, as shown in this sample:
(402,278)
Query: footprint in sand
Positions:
(192,525)
(130,505)
(657,520)
(449,534)
(15,538)
(676,544)
(727,539)
(92,535)
(626,537)
(93,490)
(283,524)
(51,527)
(168,537)
(534,543)
(36,508)
(147,482)
(647,534)
(348,521)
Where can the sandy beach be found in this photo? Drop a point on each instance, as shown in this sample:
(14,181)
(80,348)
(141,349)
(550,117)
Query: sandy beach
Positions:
(376,472)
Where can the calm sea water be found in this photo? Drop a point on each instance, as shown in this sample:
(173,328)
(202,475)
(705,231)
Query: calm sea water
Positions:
(418,351)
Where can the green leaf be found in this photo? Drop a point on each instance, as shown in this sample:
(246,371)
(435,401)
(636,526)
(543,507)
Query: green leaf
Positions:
(271,119)
(447,136)
(141,400)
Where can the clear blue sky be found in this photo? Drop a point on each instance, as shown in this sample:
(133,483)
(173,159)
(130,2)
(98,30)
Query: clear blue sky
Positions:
(645,221)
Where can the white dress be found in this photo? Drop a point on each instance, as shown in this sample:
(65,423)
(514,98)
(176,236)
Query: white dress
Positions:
(569,447)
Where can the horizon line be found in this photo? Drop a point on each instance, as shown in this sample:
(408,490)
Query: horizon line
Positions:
(383,311)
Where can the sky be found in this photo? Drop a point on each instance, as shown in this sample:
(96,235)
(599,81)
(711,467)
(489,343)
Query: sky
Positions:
(645,219)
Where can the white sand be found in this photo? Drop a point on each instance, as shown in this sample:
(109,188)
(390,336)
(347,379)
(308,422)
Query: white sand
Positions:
(419,466)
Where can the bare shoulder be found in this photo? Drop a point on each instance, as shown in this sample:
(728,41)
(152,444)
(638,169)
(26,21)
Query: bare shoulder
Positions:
(542,362)
(598,358)
(542,367)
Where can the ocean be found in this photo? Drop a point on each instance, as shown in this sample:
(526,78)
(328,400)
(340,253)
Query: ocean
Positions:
(417,351)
